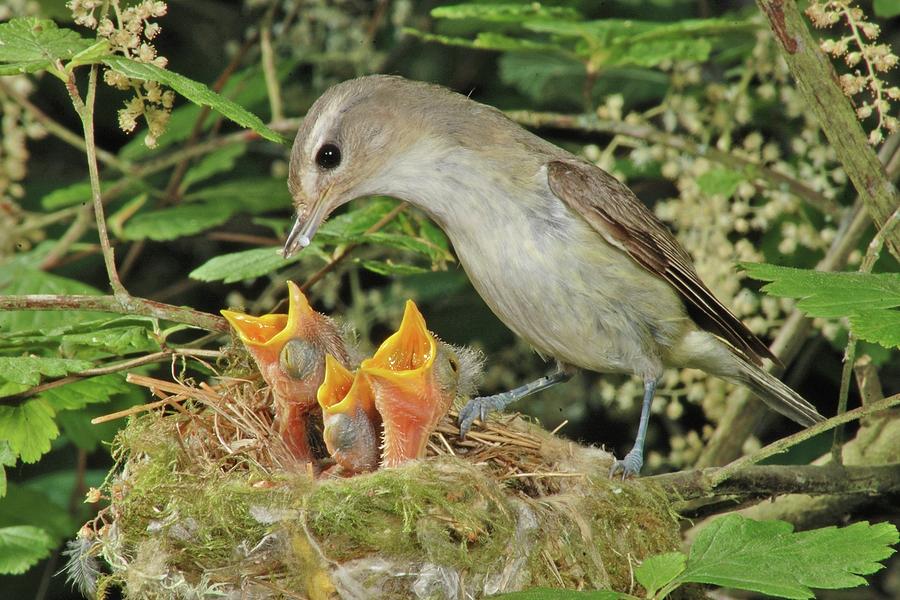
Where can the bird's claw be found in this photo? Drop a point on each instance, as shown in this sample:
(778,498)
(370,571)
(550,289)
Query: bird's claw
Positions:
(479,408)
(630,465)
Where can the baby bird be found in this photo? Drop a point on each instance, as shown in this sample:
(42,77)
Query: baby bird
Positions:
(352,425)
(290,353)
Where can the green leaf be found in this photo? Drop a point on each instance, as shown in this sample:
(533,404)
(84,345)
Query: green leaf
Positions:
(886,9)
(19,373)
(549,594)
(7,459)
(656,571)
(209,207)
(195,92)
(723,182)
(221,160)
(488,41)
(870,300)
(540,75)
(504,13)
(27,504)
(770,558)
(22,547)
(77,427)
(28,428)
(86,391)
(348,227)
(30,44)
(238,266)
(112,340)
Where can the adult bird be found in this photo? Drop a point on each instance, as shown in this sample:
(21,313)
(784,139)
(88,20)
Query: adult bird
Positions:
(563,253)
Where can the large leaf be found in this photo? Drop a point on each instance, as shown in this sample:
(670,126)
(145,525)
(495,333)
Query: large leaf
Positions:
(28,428)
(86,391)
(21,547)
(238,266)
(770,558)
(195,92)
(656,571)
(209,207)
(870,301)
(217,162)
(7,459)
(30,44)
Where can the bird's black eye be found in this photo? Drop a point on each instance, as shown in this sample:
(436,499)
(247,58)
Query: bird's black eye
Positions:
(328,156)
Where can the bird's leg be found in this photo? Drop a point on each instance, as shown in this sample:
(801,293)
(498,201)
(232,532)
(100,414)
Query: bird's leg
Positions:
(478,408)
(634,460)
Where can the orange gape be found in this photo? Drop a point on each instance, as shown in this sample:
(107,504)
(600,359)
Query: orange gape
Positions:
(290,353)
(403,390)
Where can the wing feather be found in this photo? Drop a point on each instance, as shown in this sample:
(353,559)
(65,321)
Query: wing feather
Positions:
(623,221)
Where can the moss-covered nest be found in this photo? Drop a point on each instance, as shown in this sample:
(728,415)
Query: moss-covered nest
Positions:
(202,503)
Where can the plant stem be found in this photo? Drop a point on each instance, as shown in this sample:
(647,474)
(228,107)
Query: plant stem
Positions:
(784,444)
(268,64)
(592,124)
(135,306)
(818,85)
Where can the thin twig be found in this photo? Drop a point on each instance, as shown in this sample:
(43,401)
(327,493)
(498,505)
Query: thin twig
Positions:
(268,64)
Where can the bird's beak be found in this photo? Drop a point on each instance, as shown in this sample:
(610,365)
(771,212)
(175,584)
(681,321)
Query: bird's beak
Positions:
(266,335)
(401,376)
(350,420)
(306,223)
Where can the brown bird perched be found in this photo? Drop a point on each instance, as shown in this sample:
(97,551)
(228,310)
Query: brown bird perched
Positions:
(564,254)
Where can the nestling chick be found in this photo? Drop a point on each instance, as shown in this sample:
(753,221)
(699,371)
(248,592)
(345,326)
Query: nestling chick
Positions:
(290,353)
(562,252)
(352,425)
(413,378)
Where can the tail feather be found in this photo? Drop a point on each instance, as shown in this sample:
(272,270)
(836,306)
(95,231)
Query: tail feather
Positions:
(778,396)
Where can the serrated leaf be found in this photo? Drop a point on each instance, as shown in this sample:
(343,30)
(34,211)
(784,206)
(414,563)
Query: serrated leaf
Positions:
(770,558)
(20,373)
(870,300)
(504,13)
(216,162)
(22,547)
(552,594)
(28,428)
(238,266)
(723,182)
(249,194)
(195,92)
(86,391)
(30,44)
(16,279)
(113,340)
(488,41)
(656,571)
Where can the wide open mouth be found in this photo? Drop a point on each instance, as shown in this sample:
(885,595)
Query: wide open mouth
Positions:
(406,354)
(339,392)
(272,330)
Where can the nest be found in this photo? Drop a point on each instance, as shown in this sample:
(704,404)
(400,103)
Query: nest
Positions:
(205,500)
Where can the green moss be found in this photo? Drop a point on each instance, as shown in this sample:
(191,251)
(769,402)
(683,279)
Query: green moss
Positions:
(416,511)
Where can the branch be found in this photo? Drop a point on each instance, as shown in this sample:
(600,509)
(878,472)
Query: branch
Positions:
(133,306)
(592,124)
(818,85)
(771,480)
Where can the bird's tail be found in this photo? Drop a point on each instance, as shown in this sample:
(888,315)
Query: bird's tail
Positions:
(776,394)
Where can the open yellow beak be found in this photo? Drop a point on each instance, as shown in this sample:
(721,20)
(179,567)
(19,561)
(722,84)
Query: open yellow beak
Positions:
(401,377)
(351,423)
(266,335)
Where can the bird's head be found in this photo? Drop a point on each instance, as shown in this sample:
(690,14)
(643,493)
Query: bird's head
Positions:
(386,135)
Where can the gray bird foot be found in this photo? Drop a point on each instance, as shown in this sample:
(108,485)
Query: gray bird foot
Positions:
(630,465)
(479,408)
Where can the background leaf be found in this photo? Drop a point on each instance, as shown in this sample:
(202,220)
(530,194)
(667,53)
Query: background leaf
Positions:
(195,92)
(21,547)
(30,44)
(656,571)
(770,558)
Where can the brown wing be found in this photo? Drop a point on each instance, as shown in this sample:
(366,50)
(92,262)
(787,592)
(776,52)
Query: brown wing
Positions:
(623,221)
